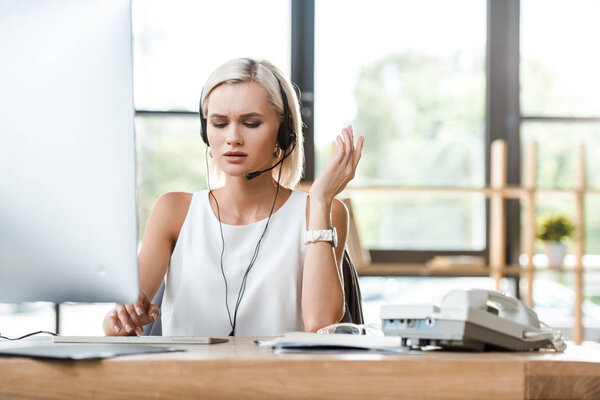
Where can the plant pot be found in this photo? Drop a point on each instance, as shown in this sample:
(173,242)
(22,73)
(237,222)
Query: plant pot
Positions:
(555,251)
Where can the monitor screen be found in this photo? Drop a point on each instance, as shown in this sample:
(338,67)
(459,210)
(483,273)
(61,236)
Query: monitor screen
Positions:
(68,225)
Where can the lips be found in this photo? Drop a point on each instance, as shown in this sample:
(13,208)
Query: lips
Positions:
(235,157)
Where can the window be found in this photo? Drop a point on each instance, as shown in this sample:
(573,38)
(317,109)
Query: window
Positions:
(560,107)
(559,66)
(170,157)
(177,44)
(410,76)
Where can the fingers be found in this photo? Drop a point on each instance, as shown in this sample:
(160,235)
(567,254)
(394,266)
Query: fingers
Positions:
(351,133)
(348,145)
(124,318)
(352,153)
(114,323)
(358,151)
(141,305)
(339,155)
(153,312)
(138,321)
(342,167)
(342,155)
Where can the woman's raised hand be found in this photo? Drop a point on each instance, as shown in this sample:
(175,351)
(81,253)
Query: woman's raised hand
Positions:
(129,319)
(341,168)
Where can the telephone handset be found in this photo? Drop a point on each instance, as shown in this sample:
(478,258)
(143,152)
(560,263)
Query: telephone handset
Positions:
(507,306)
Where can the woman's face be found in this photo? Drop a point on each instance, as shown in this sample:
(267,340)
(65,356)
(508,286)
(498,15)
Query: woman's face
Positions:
(242,128)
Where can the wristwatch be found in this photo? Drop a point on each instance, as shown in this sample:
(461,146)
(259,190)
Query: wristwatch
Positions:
(327,235)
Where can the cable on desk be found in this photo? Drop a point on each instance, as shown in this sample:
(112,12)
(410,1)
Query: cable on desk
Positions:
(29,334)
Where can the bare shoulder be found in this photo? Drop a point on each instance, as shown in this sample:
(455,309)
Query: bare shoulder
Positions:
(174,200)
(170,211)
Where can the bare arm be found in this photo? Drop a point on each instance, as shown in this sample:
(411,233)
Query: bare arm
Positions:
(322,285)
(160,237)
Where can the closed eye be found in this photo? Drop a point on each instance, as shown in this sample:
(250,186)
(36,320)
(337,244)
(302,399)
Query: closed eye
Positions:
(248,124)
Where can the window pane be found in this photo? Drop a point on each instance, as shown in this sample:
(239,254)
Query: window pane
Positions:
(557,144)
(420,222)
(170,157)
(412,81)
(554,300)
(564,204)
(559,57)
(20,319)
(83,319)
(178,43)
(555,204)
(378,291)
(592,233)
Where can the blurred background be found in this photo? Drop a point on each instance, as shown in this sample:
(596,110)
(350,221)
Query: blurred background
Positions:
(429,83)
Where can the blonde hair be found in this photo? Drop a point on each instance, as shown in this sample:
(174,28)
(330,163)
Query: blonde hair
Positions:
(264,73)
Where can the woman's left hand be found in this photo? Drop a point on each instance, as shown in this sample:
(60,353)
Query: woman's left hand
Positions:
(341,168)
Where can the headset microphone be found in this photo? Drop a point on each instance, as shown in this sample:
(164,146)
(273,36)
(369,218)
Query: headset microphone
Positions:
(254,174)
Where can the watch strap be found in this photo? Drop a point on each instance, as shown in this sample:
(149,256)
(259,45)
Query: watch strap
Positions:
(324,235)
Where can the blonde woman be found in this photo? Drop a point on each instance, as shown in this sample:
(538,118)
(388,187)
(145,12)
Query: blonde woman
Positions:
(251,257)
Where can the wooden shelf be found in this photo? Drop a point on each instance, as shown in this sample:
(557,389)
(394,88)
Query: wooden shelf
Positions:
(400,269)
(407,269)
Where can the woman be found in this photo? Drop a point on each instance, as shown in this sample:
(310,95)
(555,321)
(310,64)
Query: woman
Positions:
(235,258)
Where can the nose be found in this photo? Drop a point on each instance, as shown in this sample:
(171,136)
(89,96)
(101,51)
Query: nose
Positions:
(234,136)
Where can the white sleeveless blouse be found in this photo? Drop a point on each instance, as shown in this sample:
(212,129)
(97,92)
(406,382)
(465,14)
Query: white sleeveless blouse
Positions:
(194,300)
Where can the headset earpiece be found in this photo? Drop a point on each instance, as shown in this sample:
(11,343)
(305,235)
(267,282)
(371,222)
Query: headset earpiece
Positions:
(203,123)
(286,135)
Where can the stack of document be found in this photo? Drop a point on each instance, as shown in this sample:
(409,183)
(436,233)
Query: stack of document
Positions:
(300,342)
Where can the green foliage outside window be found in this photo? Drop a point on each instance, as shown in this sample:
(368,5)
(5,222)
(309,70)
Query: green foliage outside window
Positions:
(423,119)
(170,158)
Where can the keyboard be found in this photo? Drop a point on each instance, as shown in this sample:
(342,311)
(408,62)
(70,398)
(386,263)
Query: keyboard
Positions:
(137,339)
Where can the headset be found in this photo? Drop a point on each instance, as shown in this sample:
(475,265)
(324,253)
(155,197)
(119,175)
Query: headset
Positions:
(286,137)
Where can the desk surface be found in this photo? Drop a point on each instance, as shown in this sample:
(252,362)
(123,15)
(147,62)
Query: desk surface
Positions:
(241,369)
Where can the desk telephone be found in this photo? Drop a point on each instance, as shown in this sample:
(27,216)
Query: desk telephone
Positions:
(473,319)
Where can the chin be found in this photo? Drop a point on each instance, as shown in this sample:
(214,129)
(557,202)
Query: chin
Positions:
(241,171)
(236,172)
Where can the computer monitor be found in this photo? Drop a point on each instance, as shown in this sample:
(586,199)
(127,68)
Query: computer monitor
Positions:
(68,225)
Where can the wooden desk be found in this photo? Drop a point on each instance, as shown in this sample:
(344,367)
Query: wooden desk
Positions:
(242,370)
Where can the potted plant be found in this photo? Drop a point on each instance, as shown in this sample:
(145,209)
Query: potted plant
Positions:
(552,230)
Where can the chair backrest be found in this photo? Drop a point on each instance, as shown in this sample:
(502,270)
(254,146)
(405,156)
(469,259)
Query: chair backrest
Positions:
(361,257)
(352,296)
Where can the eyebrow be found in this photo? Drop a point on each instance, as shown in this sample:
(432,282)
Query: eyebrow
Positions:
(251,114)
